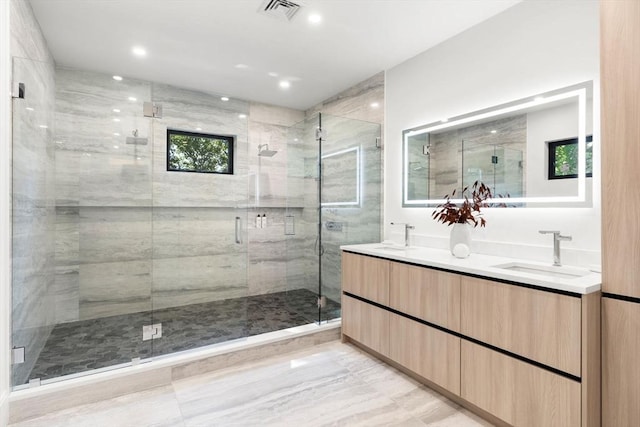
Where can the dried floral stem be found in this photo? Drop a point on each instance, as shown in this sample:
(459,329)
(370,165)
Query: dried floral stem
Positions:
(469,211)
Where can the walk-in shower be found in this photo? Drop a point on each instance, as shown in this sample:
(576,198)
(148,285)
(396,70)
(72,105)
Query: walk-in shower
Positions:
(118,259)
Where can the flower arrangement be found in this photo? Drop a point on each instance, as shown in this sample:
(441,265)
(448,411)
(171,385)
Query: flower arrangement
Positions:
(469,211)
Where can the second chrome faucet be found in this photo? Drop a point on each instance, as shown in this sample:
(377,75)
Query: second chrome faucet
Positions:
(407,227)
(557,237)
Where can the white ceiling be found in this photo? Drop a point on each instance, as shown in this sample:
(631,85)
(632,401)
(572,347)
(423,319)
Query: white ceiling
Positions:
(198,43)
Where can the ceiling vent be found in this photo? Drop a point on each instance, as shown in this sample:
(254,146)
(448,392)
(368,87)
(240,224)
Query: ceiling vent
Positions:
(281,9)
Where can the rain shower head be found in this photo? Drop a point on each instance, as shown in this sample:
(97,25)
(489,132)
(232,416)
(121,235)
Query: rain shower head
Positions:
(263,151)
(135,140)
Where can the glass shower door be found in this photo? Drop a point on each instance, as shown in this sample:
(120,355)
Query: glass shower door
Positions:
(334,198)
(351,198)
(200,290)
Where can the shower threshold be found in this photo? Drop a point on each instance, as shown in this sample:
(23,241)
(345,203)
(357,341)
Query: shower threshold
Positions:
(89,345)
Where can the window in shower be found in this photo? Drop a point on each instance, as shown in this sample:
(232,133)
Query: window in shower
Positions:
(199,152)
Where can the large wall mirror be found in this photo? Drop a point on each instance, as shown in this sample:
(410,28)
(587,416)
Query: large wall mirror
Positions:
(537,150)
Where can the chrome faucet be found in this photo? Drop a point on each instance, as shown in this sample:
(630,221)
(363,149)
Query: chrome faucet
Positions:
(557,237)
(407,227)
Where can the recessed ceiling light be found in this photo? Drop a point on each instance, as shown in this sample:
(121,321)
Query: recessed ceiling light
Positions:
(272,74)
(494,131)
(132,99)
(115,110)
(138,158)
(295,139)
(115,146)
(284,84)
(242,116)
(374,105)
(224,98)
(314,18)
(198,128)
(116,120)
(139,51)
(59,142)
(117,78)
(242,66)
(116,134)
(44,126)
(29,109)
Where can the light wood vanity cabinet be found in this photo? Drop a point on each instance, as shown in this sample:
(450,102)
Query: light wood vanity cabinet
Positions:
(366,277)
(620,142)
(541,326)
(429,295)
(411,342)
(517,392)
(529,357)
(366,324)
(620,362)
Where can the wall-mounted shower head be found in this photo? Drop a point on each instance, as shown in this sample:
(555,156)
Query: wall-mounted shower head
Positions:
(263,151)
(135,140)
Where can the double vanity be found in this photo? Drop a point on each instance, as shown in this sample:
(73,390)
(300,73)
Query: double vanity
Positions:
(516,342)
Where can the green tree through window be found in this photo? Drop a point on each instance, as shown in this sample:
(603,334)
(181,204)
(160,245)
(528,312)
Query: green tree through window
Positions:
(194,152)
(563,158)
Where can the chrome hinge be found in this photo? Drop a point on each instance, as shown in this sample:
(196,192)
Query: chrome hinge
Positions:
(18,91)
(320,134)
(150,109)
(17,355)
(322,301)
(151,332)
(378,142)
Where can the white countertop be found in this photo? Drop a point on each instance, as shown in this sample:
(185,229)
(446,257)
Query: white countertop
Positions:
(484,265)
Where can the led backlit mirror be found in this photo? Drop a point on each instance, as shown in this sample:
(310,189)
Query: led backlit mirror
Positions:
(538,150)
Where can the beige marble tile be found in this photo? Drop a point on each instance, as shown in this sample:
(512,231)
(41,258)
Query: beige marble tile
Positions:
(100,392)
(156,407)
(330,384)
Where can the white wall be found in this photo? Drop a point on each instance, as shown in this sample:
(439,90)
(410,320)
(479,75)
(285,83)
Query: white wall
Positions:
(5,191)
(551,125)
(533,47)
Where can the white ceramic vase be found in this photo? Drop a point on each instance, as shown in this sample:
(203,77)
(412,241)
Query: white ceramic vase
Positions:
(460,240)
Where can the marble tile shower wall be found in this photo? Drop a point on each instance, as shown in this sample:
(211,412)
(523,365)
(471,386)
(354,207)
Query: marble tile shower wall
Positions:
(447,160)
(33,215)
(132,236)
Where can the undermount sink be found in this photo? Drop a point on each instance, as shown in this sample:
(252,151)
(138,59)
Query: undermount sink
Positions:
(393,248)
(560,272)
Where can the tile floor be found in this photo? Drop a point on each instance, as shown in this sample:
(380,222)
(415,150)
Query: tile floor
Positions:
(90,344)
(332,384)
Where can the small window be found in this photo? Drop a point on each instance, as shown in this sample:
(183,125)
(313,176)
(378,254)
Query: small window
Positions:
(563,158)
(199,152)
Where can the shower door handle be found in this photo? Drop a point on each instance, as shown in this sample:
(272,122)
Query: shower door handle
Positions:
(238,230)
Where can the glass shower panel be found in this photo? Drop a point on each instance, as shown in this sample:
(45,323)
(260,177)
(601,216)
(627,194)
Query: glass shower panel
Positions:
(33,216)
(97,285)
(300,223)
(351,198)
(200,261)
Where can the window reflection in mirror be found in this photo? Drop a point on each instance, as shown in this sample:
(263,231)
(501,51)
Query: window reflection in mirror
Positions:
(506,147)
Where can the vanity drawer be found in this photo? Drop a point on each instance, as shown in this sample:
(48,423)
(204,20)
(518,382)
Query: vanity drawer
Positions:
(430,353)
(541,326)
(517,392)
(430,295)
(366,324)
(365,276)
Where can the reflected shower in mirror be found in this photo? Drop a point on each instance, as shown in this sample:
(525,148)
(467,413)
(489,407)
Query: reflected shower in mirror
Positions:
(507,147)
